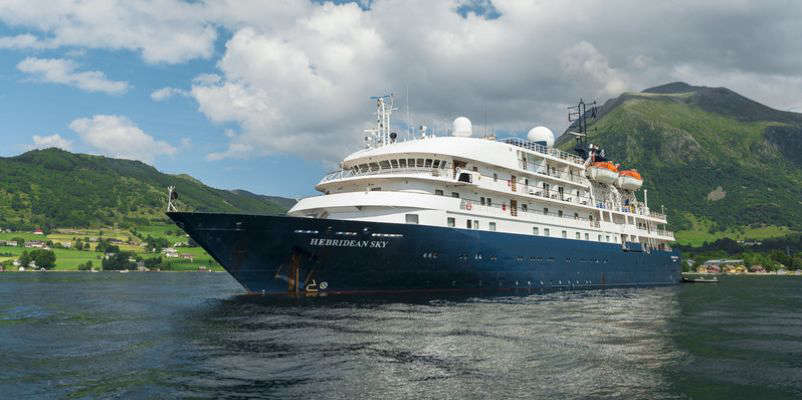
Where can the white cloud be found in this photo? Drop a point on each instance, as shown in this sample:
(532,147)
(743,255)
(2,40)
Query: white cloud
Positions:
(117,136)
(59,70)
(25,41)
(55,140)
(167,92)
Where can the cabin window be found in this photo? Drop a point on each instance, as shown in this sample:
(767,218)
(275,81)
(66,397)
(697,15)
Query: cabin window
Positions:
(411,218)
(524,207)
(492,226)
(469,224)
(546,232)
(526,181)
(420,163)
(451,222)
(560,213)
(402,163)
(577,236)
(375,189)
(436,164)
(536,231)
(428,163)
(482,200)
(394,163)
(443,165)
(374,166)
(545,211)
(476,224)
(455,195)
(489,202)
(438,192)
(495,177)
(587,236)
(565,234)
(576,215)
(608,238)
(600,238)
(385,164)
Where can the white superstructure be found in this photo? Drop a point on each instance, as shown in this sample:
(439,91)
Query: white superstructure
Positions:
(513,185)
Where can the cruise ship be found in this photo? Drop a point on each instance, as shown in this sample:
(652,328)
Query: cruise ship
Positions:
(452,212)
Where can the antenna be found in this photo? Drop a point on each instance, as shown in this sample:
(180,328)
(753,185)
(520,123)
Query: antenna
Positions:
(409,125)
(380,136)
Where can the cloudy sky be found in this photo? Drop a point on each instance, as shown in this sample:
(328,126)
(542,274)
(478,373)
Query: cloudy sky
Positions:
(268,95)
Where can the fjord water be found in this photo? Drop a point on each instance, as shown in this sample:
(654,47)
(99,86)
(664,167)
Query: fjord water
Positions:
(168,335)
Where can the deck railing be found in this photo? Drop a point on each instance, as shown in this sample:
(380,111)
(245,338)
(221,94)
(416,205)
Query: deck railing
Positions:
(350,173)
(544,150)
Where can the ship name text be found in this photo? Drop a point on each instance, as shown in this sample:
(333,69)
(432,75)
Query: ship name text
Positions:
(376,244)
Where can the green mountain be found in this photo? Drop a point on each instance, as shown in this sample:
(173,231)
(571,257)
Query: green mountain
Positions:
(56,188)
(716,160)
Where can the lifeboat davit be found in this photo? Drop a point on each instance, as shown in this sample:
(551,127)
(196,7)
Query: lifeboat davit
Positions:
(604,172)
(630,179)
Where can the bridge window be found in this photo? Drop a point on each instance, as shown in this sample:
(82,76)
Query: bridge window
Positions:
(420,163)
(411,162)
(394,163)
(385,164)
(374,166)
(411,218)
(451,222)
(428,163)
(436,164)
(363,168)
(402,163)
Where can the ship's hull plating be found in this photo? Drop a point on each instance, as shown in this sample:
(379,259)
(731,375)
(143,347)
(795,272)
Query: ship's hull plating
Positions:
(267,253)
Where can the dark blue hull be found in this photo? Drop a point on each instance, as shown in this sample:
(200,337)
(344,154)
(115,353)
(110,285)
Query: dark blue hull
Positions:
(287,254)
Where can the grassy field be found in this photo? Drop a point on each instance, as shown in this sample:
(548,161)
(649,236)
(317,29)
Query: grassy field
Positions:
(70,259)
(700,233)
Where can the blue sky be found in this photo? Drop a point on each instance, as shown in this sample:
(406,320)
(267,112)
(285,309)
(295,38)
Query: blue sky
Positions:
(268,96)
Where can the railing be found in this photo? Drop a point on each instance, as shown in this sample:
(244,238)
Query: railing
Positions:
(350,173)
(544,150)
(544,171)
(663,232)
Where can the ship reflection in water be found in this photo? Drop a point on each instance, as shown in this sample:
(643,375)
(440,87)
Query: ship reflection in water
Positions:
(165,335)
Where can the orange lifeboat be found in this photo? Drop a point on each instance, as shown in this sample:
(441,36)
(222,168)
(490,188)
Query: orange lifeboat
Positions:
(630,179)
(604,172)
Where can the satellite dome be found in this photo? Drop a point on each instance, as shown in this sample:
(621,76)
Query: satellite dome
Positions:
(541,134)
(462,127)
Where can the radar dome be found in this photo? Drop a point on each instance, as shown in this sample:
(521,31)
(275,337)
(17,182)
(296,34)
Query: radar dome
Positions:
(462,127)
(541,134)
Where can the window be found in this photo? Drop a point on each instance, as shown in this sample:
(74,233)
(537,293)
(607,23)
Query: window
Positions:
(411,162)
(436,164)
(492,226)
(495,177)
(374,166)
(536,231)
(526,181)
(475,224)
(438,192)
(524,207)
(577,236)
(420,163)
(545,211)
(443,165)
(482,200)
(428,163)
(455,194)
(560,213)
(489,201)
(607,237)
(385,164)
(587,236)
(600,238)
(394,163)
(576,215)
(468,224)
(565,234)
(475,169)
(376,189)
(451,222)
(402,163)
(411,218)
(546,232)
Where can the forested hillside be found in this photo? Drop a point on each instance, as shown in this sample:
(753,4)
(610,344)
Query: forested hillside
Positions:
(56,188)
(715,159)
